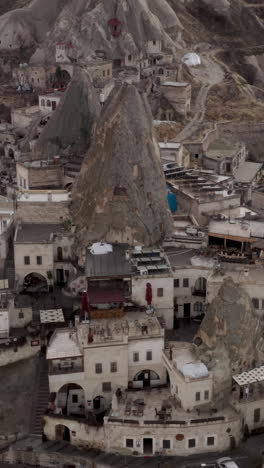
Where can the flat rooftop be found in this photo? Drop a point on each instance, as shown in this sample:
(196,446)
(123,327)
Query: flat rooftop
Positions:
(180,258)
(176,84)
(37,233)
(111,264)
(247,171)
(222,149)
(170,145)
(153,400)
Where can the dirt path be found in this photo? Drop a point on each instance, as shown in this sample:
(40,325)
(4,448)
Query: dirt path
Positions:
(210,73)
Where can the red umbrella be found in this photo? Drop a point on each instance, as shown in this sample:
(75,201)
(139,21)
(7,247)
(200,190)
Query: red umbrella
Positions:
(85,304)
(148,293)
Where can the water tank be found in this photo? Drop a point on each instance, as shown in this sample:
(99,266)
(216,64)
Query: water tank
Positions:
(172,200)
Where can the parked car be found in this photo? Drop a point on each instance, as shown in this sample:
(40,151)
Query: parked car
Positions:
(226,462)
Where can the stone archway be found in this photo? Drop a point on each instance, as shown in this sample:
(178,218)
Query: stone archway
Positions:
(146,378)
(35,283)
(62,432)
(71,400)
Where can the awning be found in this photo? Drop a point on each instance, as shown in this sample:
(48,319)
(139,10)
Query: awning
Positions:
(51,316)
(106,296)
(252,376)
(234,238)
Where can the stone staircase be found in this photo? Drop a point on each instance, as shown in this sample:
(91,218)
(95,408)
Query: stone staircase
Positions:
(9,267)
(41,395)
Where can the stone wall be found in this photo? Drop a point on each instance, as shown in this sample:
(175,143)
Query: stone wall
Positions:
(8,355)
(45,176)
(113,435)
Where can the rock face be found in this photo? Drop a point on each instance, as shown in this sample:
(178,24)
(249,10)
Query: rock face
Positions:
(85,22)
(70,127)
(120,195)
(231,335)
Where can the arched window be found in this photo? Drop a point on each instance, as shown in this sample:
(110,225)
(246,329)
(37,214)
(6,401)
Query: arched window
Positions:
(48,103)
(43,102)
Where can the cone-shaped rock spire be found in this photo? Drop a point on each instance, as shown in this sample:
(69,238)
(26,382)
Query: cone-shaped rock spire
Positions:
(72,123)
(120,195)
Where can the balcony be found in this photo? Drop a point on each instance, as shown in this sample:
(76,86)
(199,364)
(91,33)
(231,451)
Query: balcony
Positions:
(60,370)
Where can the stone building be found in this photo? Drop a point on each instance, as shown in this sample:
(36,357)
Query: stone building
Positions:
(49,102)
(174,152)
(179,96)
(224,157)
(34,174)
(120,279)
(43,255)
(118,354)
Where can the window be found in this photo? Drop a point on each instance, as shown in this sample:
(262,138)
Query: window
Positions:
(113,366)
(177,283)
(256,415)
(75,398)
(98,368)
(166,444)
(135,357)
(48,103)
(129,443)
(191,443)
(206,394)
(20,315)
(198,307)
(43,102)
(4,223)
(197,396)
(107,387)
(160,292)
(39,260)
(185,282)
(154,42)
(149,355)
(210,441)
(27,260)
(25,183)
(255,303)
(129,58)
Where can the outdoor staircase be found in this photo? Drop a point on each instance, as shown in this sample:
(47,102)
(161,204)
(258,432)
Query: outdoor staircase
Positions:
(9,267)
(41,395)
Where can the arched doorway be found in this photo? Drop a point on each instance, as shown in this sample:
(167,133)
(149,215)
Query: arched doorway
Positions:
(71,400)
(62,433)
(200,287)
(35,283)
(99,404)
(145,379)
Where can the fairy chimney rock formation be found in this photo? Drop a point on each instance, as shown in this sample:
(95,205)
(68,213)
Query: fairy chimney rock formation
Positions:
(120,195)
(230,336)
(70,127)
